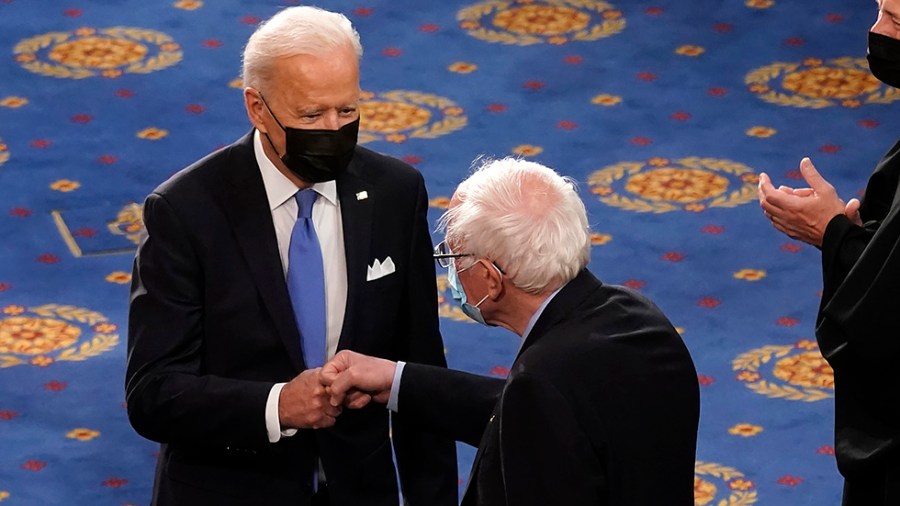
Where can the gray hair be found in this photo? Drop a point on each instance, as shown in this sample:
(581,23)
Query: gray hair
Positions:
(526,218)
(293,31)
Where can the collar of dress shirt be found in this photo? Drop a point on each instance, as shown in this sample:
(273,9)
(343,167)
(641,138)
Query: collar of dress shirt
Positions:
(279,189)
(537,314)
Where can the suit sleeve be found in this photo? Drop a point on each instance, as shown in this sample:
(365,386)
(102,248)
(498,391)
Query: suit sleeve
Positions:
(861,266)
(454,403)
(169,398)
(426,461)
(858,318)
(544,455)
(842,245)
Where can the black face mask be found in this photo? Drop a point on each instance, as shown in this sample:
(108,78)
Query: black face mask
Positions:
(884,58)
(317,155)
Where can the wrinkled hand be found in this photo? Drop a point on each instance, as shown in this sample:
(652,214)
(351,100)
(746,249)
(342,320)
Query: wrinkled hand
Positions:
(304,403)
(851,210)
(354,379)
(803,213)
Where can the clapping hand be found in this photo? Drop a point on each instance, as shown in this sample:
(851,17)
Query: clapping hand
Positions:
(803,213)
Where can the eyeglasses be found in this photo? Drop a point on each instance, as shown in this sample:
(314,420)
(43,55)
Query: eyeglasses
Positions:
(445,256)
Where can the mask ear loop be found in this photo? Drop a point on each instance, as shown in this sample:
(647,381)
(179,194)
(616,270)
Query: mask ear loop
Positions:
(483,299)
(261,97)
(496,268)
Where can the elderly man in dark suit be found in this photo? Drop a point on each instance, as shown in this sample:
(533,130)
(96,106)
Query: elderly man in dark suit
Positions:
(602,403)
(260,261)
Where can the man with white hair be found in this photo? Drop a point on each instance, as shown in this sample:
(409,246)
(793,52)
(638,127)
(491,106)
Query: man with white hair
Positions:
(260,261)
(602,403)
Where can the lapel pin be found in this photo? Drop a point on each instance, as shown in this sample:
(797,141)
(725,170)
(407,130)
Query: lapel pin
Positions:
(362,195)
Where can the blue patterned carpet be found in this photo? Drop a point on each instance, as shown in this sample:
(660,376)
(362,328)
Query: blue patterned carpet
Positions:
(665,111)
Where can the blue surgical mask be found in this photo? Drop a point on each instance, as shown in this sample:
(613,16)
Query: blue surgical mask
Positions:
(459,295)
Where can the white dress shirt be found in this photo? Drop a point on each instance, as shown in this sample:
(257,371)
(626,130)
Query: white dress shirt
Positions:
(326,215)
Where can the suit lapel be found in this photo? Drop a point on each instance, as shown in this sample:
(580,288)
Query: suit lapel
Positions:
(248,212)
(357,201)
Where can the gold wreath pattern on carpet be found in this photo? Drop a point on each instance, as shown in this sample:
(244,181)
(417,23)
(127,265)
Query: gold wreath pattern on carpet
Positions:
(439,202)
(42,335)
(80,229)
(129,223)
(794,372)
(90,52)
(660,185)
(529,22)
(815,84)
(399,115)
(4,152)
(717,485)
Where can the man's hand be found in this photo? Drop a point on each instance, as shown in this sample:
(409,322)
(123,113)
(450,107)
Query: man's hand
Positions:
(355,380)
(303,403)
(805,212)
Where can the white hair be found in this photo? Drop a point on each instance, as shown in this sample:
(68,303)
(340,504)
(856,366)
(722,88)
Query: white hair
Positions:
(524,217)
(292,31)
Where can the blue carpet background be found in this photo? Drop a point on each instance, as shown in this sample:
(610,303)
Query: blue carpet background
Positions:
(673,89)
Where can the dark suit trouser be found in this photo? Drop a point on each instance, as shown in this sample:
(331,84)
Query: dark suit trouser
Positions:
(878,487)
(320,498)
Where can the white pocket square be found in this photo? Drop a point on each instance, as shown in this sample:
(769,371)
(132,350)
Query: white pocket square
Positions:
(380,269)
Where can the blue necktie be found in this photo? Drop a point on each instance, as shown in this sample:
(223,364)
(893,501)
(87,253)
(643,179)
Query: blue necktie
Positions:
(306,281)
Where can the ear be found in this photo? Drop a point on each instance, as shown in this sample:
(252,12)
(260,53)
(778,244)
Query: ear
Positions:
(492,277)
(256,109)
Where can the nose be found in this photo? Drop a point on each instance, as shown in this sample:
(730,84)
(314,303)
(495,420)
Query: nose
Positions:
(331,121)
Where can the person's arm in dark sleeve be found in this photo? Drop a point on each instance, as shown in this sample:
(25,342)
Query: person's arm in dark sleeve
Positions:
(842,245)
(454,403)
(169,399)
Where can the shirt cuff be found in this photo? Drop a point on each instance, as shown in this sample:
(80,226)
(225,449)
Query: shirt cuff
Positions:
(273,425)
(395,387)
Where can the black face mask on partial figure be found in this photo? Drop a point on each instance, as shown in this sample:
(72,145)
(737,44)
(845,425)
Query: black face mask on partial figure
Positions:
(884,58)
(317,155)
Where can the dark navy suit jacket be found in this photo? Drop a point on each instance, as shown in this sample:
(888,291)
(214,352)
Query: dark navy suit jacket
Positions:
(600,407)
(211,329)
